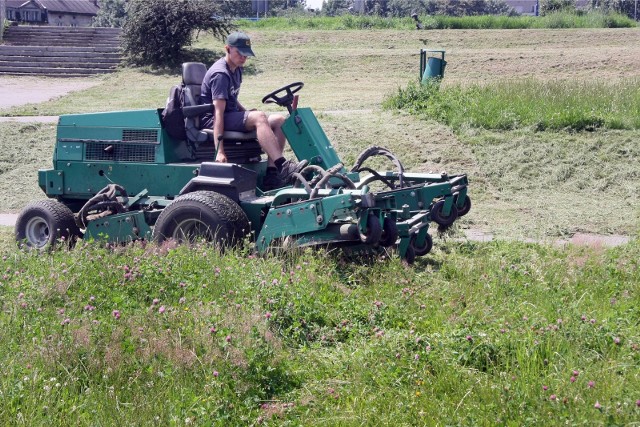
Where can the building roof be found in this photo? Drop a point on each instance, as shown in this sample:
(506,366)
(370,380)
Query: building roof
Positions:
(79,7)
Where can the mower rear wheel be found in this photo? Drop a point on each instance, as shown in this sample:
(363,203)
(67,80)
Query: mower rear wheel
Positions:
(43,223)
(202,215)
(438,216)
(425,248)
(373,232)
(389,232)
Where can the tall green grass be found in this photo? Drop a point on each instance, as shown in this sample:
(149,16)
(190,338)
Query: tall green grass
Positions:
(433,22)
(474,334)
(512,104)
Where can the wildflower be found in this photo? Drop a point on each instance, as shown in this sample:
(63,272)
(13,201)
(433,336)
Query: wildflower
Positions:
(597,405)
(215,374)
(228,338)
(469,338)
(378,304)
(161,310)
(591,384)
(182,284)
(61,311)
(553,397)
(267,315)
(155,301)
(573,379)
(65,321)
(616,340)
(213,330)
(576,373)
(583,318)
(592,321)
(545,388)
(638,403)
(182,300)
(116,314)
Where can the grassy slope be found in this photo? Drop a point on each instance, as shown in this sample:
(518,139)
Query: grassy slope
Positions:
(352,71)
(474,334)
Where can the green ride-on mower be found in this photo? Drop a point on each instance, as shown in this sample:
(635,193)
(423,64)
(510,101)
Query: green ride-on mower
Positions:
(121,176)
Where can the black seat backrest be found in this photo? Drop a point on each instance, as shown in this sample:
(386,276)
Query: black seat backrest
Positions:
(192,76)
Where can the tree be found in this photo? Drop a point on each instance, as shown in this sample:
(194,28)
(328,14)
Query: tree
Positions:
(156,31)
(550,6)
(112,13)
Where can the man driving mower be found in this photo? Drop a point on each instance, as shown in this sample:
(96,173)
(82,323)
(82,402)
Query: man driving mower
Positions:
(221,87)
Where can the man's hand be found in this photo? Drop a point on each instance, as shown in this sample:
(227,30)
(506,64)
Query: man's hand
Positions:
(221,157)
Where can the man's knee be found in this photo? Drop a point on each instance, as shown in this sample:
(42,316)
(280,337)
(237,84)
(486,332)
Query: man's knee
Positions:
(257,119)
(276,120)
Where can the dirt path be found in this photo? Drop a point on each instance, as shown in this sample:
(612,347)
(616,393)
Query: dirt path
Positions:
(15,91)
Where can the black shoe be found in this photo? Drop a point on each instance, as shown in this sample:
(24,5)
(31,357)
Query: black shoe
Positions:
(271,181)
(289,167)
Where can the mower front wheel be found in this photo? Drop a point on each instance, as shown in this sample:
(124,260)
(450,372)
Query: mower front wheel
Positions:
(43,223)
(389,232)
(425,248)
(438,216)
(372,234)
(466,207)
(202,215)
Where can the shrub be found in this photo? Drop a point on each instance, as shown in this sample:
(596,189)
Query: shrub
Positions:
(156,31)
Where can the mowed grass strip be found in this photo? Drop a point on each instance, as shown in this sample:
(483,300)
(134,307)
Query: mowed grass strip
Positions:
(529,103)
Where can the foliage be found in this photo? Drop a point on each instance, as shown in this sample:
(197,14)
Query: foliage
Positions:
(405,8)
(183,335)
(441,22)
(156,31)
(112,13)
(551,6)
(530,103)
(625,7)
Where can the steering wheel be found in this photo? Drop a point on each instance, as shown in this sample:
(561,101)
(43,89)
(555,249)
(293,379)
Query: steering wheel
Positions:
(283,99)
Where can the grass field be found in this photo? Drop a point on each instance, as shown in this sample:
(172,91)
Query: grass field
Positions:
(499,333)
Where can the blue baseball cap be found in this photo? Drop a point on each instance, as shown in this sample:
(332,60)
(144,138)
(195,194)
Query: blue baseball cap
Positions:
(242,42)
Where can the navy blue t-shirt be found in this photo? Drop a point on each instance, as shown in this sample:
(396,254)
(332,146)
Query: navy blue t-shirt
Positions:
(220,83)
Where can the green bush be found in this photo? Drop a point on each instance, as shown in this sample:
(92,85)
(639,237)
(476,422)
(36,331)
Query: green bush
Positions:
(156,31)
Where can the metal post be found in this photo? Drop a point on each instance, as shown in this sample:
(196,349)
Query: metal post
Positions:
(635,11)
(3,14)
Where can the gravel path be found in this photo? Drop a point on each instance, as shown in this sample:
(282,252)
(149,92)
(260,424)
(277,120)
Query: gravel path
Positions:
(15,91)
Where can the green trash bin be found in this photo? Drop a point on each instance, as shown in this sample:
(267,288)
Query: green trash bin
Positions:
(431,67)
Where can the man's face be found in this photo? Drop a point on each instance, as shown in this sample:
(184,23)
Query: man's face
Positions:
(235,57)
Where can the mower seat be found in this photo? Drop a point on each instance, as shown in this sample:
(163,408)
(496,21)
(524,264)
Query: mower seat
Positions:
(240,147)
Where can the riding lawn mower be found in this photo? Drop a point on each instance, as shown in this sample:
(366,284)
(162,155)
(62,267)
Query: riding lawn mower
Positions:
(120,177)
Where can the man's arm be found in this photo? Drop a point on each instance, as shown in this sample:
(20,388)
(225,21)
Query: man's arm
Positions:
(218,128)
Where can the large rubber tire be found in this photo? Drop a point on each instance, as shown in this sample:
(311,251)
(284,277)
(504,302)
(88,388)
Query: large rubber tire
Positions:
(45,223)
(426,248)
(373,233)
(389,232)
(439,218)
(202,215)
